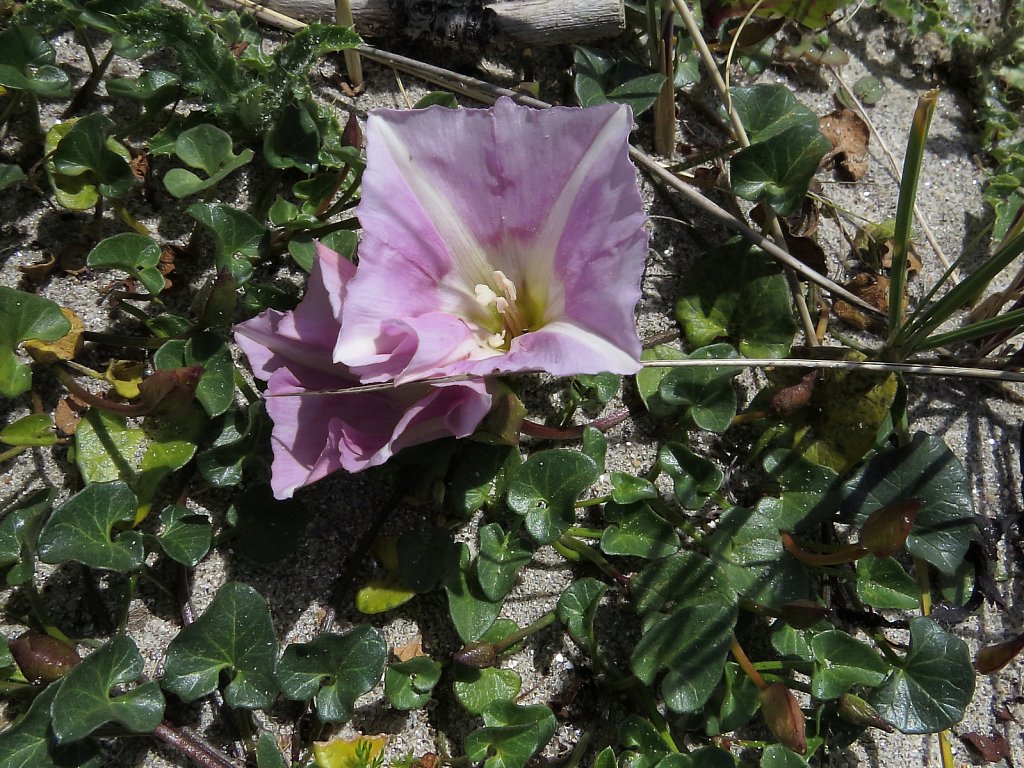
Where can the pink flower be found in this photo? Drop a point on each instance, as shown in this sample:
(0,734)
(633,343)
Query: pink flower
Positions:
(317,434)
(495,241)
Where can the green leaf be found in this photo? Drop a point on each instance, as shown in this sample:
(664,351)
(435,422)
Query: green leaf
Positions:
(19,529)
(235,633)
(627,489)
(24,316)
(30,742)
(10,175)
(471,611)
(478,476)
(685,578)
(33,430)
(747,545)
(501,558)
(186,537)
(577,607)
(86,154)
(749,303)
(155,88)
(138,255)
(239,237)
(690,644)
(777,756)
(82,529)
(424,559)
(336,669)
(600,78)
(809,491)
(27,64)
(934,685)
(694,478)
(637,733)
(216,388)
(439,98)
(706,394)
(648,379)
(511,735)
(239,441)
(842,662)
(84,703)
(925,469)
(882,583)
(408,684)
(476,688)
(268,753)
(595,445)
(208,149)
(293,139)
(544,490)
(778,170)
(637,531)
(735,701)
(266,530)
(767,110)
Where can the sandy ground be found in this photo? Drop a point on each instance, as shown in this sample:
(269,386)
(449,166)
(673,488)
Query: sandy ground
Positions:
(981,425)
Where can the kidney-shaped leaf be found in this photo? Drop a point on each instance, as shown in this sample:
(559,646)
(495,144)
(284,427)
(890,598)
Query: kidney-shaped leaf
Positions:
(841,663)
(407,684)
(19,529)
(84,703)
(27,63)
(767,109)
(577,607)
(234,633)
(24,316)
(133,253)
(511,734)
(337,669)
(82,529)
(85,153)
(779,169)
(706,393)
(501,558)
(933,687)
(927,470)
(545,487)
(186,536)
(30,742)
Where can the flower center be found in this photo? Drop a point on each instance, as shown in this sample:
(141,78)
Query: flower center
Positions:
(506,316)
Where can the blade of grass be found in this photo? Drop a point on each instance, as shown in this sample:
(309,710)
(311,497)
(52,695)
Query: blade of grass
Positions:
(1007,321)
(905,208)
(343,14)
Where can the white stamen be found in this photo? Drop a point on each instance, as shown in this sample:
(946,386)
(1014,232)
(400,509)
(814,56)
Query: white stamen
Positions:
(501,304)
(496,341)
(484,295)
(509,288)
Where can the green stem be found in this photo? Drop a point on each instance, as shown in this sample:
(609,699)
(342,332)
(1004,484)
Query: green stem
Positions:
(585,533)
(905,209)
(89,86)
(594,502)
(122,340)
(543,622)
(9,110)
(595,557)
(10,453)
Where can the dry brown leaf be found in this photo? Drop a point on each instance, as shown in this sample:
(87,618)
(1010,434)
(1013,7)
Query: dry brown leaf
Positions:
(37,273)
(849,135)
(64,348)
(68,413)
(991,748)
(874,289)
(139,164)
(410,650)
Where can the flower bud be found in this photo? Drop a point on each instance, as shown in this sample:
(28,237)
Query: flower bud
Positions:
(885,531)
(784,718)
(167,392)
(41,658)
(992,658)
(801,614)
(790,399)
(476,655)
(855,710)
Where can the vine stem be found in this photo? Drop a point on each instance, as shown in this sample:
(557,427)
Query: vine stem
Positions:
(181,740)
(745,664)
(574,545)
(545,432)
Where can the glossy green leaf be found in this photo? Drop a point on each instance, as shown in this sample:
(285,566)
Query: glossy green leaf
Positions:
(476,688)
(408,684)
(154,87)
(777,756)
(810,493)
(266,529)
(511,734)
(882,583)
(927,470)
(595,445)
(24,316)
(501,558)
(637,531)
(239,441)
(778,170)
(27,64)
(82,529)
(600,78)
(268,752)
(648,379)
(627,489)
(471,611)
(767,110)
(206,148)
(19,529)
(685,578)
(186,536)
(84,701)
(136,254)
(734,702)
(747,545)
(216,388)
(842,662)
(240,239)
(931,689)
(637,733)
(577,608)
(86,154)
(694,478)
(425,558)
(748,304)
(690,645)
(336,669)
(293,139)
(706,394)
(10,174)
(32,430)
(234,633)
(439,98)
(30,742)
(478,476)
(544,490)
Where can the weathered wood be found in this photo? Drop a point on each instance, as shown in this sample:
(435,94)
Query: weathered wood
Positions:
(519,22)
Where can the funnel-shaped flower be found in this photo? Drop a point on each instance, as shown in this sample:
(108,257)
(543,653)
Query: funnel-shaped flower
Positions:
(317,434)
(494,241)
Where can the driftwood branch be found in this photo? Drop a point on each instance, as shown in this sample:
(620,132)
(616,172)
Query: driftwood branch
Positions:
(447,22)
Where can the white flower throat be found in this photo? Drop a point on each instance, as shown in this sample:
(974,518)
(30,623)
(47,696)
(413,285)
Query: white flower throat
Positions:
(504,313)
